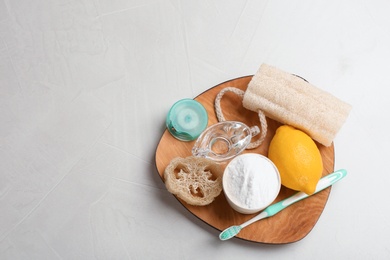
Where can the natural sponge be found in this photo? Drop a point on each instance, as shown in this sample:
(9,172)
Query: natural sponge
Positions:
(293,101)
(195,180)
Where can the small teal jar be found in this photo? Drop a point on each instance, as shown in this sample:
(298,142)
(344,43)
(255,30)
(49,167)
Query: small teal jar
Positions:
(187,119)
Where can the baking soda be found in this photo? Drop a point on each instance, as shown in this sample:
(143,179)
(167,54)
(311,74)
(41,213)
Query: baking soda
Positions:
(252,181)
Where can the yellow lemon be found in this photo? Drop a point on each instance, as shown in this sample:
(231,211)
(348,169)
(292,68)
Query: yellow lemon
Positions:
(297,158)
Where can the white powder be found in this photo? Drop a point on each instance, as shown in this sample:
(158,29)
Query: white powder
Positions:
(252,181)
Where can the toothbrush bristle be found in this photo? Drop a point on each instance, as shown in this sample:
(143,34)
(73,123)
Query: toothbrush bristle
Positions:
(230,232)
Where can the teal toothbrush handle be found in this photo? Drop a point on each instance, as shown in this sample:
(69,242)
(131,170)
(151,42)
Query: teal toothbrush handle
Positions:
(323,183)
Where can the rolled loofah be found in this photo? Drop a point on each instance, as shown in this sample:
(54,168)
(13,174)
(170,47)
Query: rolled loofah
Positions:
(293,101)
(197,181)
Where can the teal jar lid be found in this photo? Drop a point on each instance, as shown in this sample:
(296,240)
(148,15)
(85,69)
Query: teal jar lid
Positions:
(187,119)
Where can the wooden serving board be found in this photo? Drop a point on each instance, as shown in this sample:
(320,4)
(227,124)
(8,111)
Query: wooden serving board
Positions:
(289,225)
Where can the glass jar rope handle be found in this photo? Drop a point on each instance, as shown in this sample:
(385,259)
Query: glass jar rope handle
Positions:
(221,118)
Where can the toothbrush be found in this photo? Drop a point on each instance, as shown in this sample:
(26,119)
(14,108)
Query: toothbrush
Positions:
(323,183)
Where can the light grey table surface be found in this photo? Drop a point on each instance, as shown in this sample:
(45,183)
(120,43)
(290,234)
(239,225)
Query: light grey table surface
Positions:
(85,86)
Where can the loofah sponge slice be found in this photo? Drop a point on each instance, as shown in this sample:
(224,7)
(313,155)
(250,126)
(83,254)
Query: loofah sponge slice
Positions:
(197,181)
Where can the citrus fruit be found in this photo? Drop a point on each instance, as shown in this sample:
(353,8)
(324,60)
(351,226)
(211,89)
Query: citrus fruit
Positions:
(297,158)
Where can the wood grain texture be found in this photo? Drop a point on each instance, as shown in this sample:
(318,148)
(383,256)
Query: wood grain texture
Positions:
(289,225)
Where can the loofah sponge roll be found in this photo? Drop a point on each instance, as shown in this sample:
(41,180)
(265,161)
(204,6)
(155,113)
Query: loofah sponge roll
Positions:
(197,181)
(293,101)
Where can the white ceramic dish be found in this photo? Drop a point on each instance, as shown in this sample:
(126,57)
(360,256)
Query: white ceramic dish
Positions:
(251,182)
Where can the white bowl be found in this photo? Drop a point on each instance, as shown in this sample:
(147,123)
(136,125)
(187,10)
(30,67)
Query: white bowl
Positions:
(251,182)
